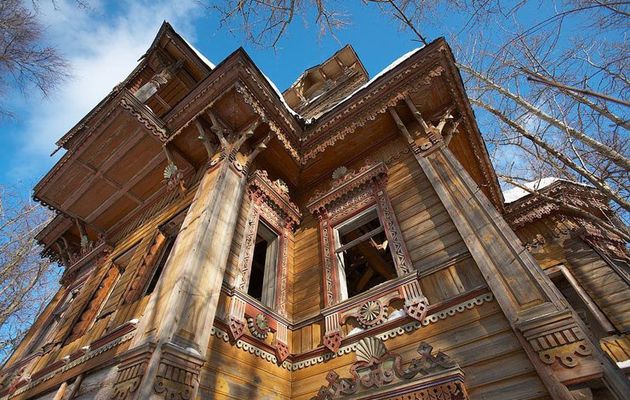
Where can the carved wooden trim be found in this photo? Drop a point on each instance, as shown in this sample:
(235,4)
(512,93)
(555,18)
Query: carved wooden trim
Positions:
(379,374)
(146,267)
(94,305)
(350,193)
(270,201)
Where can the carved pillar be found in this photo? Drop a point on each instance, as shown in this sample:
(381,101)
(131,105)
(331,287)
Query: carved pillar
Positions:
(176,326)
(552,337)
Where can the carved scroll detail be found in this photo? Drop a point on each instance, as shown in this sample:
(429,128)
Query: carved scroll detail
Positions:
(376,368)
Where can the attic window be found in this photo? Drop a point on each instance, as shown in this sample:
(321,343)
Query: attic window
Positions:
(363,254)
(263,270)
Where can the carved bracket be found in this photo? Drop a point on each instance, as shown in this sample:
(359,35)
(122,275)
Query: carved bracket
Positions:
(131,371)
(416,304)
(332,336)
(558,340)
(237,318)
(281,342)
(178,374)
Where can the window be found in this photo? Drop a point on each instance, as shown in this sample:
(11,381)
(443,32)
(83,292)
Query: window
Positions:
(157,272)
(364,259)
(262,279)
(580,301)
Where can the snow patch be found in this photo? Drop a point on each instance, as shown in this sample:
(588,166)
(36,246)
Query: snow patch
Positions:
(275,88)
(200,55)
(516,193)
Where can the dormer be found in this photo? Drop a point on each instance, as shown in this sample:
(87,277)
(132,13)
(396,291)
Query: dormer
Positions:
(321,87)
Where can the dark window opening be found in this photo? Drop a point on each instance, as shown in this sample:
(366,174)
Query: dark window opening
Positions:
(263,269)
(169,230)
(363,253)
(157,273)
(578,304)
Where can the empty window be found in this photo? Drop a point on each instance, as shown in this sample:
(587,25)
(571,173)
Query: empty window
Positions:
(157,272)
(363,254)
(262,279)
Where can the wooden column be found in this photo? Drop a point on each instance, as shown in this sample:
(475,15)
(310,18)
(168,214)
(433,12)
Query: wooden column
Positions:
(171,346)
(552,336)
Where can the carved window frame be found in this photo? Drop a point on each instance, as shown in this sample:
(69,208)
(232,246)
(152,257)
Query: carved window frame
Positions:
(270,203)
(352,193)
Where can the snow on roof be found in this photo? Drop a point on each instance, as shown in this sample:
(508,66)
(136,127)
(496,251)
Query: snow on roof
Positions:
(200,55)
(516,193)
(212,66)
(275,88)
(385,70)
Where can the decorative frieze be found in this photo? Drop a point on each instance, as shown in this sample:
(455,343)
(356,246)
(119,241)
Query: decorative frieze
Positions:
(350,347)
(379,374)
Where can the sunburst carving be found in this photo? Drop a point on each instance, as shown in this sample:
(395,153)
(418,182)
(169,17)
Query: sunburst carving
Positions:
(370,348)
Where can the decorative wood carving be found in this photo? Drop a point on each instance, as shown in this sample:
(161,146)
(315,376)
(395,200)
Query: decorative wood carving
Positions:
(145,268)
(281,342)
(130,373)
(89,313)
(259,326)
(177,378)
(236,318)
(379,374)
(557,339)
(372,313)
(332,336)
(416,304)
(349,193)
(269,200)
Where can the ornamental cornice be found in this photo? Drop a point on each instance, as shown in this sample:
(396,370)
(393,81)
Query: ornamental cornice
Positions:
(276,194)
(376,100)
(123,101)
(345,182)
(301,361)
(533,207)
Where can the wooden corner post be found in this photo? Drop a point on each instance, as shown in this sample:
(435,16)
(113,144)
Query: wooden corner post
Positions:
(166,357)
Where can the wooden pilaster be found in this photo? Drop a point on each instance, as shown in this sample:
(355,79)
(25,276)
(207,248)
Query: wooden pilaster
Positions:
(167,355)
(551,335)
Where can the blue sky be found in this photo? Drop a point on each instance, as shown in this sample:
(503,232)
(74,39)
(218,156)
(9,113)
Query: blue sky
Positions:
(104,42)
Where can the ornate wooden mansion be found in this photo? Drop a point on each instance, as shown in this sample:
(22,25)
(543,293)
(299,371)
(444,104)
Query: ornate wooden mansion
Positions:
(346,239)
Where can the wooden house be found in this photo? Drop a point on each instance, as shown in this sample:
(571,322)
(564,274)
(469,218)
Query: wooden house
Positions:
(345,239)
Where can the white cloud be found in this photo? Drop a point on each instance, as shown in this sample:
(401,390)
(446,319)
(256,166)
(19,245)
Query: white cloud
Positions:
(102,46)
